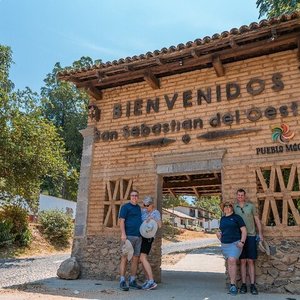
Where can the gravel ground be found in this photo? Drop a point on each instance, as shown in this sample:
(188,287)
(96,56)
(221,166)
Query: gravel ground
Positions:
(23,270)
(191,277)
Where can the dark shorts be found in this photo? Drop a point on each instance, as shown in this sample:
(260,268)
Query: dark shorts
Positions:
(146,245)
(136,244)
(250,248)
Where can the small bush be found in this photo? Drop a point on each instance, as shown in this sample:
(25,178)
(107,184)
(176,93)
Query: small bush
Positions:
(18,218)
(169,230)
(56,226)
(6,237)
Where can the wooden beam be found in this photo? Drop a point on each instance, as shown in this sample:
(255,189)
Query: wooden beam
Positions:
(240,52)
(195,54)
(151,79)
(218,66)
(93,92)
(190,184)
(171,192)
(159,61)
(196,192)
(233,44)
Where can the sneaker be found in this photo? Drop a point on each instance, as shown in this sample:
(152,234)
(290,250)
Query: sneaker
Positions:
(243,288)
(133,284)
(145,283)
(253,290)
(233,290)
(150,285)
(124,286)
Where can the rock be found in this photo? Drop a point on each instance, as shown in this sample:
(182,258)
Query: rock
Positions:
(280,282)
(280,266)
(293,288)
(69,269)
(290,259)
(273,272)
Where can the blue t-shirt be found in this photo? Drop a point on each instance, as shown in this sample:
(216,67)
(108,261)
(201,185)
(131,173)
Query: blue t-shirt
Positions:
(133,218)
(230,228)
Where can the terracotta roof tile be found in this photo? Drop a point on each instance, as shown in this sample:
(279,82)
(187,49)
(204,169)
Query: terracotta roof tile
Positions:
(197,42)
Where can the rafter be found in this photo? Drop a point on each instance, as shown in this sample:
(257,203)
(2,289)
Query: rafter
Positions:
(196,192)
(151,79)
(218,66)
(93,92)
(122,77)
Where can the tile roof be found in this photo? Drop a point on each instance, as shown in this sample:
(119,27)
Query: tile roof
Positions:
(227,40)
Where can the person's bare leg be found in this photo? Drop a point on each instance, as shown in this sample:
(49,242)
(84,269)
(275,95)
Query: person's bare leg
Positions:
(123,265)
(146,266)
(243,263)
(251,266)
(134,265)
(232,269)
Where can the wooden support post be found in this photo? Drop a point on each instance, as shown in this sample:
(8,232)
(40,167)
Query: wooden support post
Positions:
(218,66)
(93,92)
(151,79)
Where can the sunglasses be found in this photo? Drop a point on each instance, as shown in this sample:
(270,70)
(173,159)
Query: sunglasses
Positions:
(147,205)
(134,195)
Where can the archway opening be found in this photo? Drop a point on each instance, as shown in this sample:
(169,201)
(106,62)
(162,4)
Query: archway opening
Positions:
(200,253)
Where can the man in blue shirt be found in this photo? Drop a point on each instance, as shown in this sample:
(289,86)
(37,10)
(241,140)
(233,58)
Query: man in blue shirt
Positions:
(130,221)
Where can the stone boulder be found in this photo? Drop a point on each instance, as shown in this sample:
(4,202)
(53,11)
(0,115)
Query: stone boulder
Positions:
(69,269)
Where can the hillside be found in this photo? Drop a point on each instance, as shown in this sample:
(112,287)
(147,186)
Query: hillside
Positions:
(38,246)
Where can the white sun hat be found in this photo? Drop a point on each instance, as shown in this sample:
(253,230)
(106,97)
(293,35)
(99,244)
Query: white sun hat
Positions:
(148,229)
(264,247)
(127,249)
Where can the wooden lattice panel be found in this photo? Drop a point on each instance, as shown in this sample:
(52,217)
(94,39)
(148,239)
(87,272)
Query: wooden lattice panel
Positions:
(117,192)
(278,193)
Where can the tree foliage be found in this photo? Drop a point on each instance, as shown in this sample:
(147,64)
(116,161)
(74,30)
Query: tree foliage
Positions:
(275,8)
(171,201)
(210,203)
(30,147)
(66,107)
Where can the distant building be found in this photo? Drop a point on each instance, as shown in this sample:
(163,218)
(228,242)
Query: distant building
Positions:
(180,220)
(190,216)
(49,202)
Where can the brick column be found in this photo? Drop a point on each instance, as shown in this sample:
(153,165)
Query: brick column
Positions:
(83,188)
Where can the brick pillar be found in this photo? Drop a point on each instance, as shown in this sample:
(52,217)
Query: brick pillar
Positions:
(83,189)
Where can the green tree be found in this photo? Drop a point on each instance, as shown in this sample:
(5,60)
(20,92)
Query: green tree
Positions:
(30,147)
(66,107)
(169,201)
(275,8)
(210,203)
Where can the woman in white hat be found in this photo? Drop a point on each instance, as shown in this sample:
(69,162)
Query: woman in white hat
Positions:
(148,230)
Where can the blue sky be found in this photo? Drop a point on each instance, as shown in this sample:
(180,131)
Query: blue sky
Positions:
(43,32)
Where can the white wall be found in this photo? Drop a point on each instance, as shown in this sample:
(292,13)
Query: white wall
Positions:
(50,202)
(214,223)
